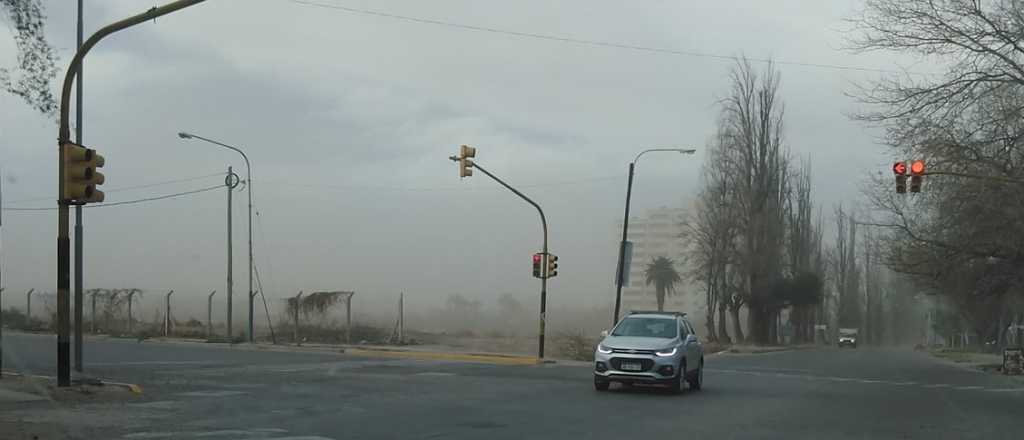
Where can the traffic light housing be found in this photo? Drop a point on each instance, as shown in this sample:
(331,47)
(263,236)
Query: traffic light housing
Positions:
(901,184)
(465,163)
(917,170)
(538,259)
(552,266)
(80,174)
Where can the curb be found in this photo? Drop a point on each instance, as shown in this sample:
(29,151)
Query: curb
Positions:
(133,388)
(497,359)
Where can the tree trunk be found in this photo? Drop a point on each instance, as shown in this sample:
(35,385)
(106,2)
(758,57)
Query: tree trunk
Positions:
(737,328)
(710,301)
(660,296)
(723,335)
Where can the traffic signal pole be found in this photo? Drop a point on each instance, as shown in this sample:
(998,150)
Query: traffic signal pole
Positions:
(543,280)
(78,210)
(64,136)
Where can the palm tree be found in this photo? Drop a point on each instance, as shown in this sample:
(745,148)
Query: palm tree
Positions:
(662,273)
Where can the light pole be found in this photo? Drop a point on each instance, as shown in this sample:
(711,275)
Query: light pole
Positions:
(248,185)
(620,276)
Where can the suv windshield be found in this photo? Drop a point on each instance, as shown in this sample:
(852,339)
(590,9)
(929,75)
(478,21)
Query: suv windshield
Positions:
(647,327)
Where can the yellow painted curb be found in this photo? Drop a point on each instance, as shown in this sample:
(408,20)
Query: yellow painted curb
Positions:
(465,357)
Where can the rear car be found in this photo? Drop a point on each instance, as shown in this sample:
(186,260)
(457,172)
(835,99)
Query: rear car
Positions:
(847,338)
(650,348)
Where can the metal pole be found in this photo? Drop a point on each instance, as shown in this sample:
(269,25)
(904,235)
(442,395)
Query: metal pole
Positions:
(401,317)
(64,135)
(1,282)
(622,248)
(229,182)
(295,312)
(543,280)
(248,185)
(209,315)
(78,211)
(167,316)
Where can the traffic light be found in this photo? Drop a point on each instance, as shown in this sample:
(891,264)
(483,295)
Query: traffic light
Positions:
(465,164)
(900,170)
(537,260)
(917,175)
(552,266)
(80,175)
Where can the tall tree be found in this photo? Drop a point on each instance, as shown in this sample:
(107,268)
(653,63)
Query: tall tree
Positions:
(661,272)
(751,138)
(36,61)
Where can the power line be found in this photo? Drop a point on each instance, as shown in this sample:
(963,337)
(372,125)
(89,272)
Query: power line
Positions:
(581,41)
(127,202)
(125,188)
(442,188)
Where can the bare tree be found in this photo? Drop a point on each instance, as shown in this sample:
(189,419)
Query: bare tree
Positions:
(36,61)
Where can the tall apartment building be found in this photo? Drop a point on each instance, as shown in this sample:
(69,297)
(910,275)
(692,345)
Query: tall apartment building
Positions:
(655,234)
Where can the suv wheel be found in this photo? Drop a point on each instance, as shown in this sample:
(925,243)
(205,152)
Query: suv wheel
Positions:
(696,381)
(600,384)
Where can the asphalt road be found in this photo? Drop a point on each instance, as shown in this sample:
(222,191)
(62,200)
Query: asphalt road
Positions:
(203,391)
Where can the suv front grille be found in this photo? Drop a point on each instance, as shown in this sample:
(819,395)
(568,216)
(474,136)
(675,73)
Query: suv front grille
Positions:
(631,351)
(645,364)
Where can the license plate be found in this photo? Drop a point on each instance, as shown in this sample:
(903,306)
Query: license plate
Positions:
(631,366)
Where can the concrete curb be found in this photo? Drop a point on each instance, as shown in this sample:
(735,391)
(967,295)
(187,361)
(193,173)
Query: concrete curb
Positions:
(134,388)
(486,358)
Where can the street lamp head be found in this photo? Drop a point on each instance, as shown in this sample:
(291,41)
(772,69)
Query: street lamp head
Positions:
(184,135)
(687,150)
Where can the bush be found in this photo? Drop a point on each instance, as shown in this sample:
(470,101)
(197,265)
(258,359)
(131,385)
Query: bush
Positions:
(15,319)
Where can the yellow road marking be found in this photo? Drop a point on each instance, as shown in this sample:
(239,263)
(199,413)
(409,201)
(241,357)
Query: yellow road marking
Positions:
(465,357)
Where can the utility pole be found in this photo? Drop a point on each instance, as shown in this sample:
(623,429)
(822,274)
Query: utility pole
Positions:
(1,279)
(78,210)
(63,202)
(28,305)
(209,315)
(92,322)
(401,318)
(230,181)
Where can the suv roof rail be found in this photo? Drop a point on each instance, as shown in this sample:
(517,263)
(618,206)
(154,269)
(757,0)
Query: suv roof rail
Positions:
(655,312)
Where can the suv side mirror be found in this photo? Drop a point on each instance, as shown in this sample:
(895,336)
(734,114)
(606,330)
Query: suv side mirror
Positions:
(604,333)
(690,339)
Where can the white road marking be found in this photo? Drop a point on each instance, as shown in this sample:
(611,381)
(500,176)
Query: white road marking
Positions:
(434,373)
(213,393)
(973,387)
(144,363)
(872,381)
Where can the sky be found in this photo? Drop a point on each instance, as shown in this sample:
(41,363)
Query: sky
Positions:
(348,119)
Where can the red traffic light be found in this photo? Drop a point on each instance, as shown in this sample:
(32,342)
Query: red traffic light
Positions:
(536,258)
(899,168)
(917,167)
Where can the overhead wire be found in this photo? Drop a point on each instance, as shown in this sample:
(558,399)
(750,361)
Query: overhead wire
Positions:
(126,202)
(126,188)
(581,41)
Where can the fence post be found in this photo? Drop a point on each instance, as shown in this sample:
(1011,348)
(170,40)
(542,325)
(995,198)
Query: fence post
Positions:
(348,319)
(131,324)
(295,328)
(167,316)
(209,315)
(28,306)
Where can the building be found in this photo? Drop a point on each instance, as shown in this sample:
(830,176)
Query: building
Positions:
(656,234)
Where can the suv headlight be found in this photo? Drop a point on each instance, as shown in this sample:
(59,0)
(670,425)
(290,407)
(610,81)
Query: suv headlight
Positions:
(602,349)
(666,352)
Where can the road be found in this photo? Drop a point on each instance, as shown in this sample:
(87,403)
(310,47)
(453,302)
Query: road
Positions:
(205,391)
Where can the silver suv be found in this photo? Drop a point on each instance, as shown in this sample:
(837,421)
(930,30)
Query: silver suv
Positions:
(650,347)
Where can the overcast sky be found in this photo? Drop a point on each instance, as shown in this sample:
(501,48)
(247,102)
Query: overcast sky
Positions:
(349,118)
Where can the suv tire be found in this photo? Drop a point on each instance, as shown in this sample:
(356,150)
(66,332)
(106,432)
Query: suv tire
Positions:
(601,384)
(696,380)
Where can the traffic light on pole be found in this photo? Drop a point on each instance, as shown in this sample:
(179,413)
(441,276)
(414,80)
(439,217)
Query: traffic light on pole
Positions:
(900,170)
(537,260)
(465,164)
(917,169)
(80,175)
(552,266)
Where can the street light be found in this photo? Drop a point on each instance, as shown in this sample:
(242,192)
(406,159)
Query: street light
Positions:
(248,180)
(620,276)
